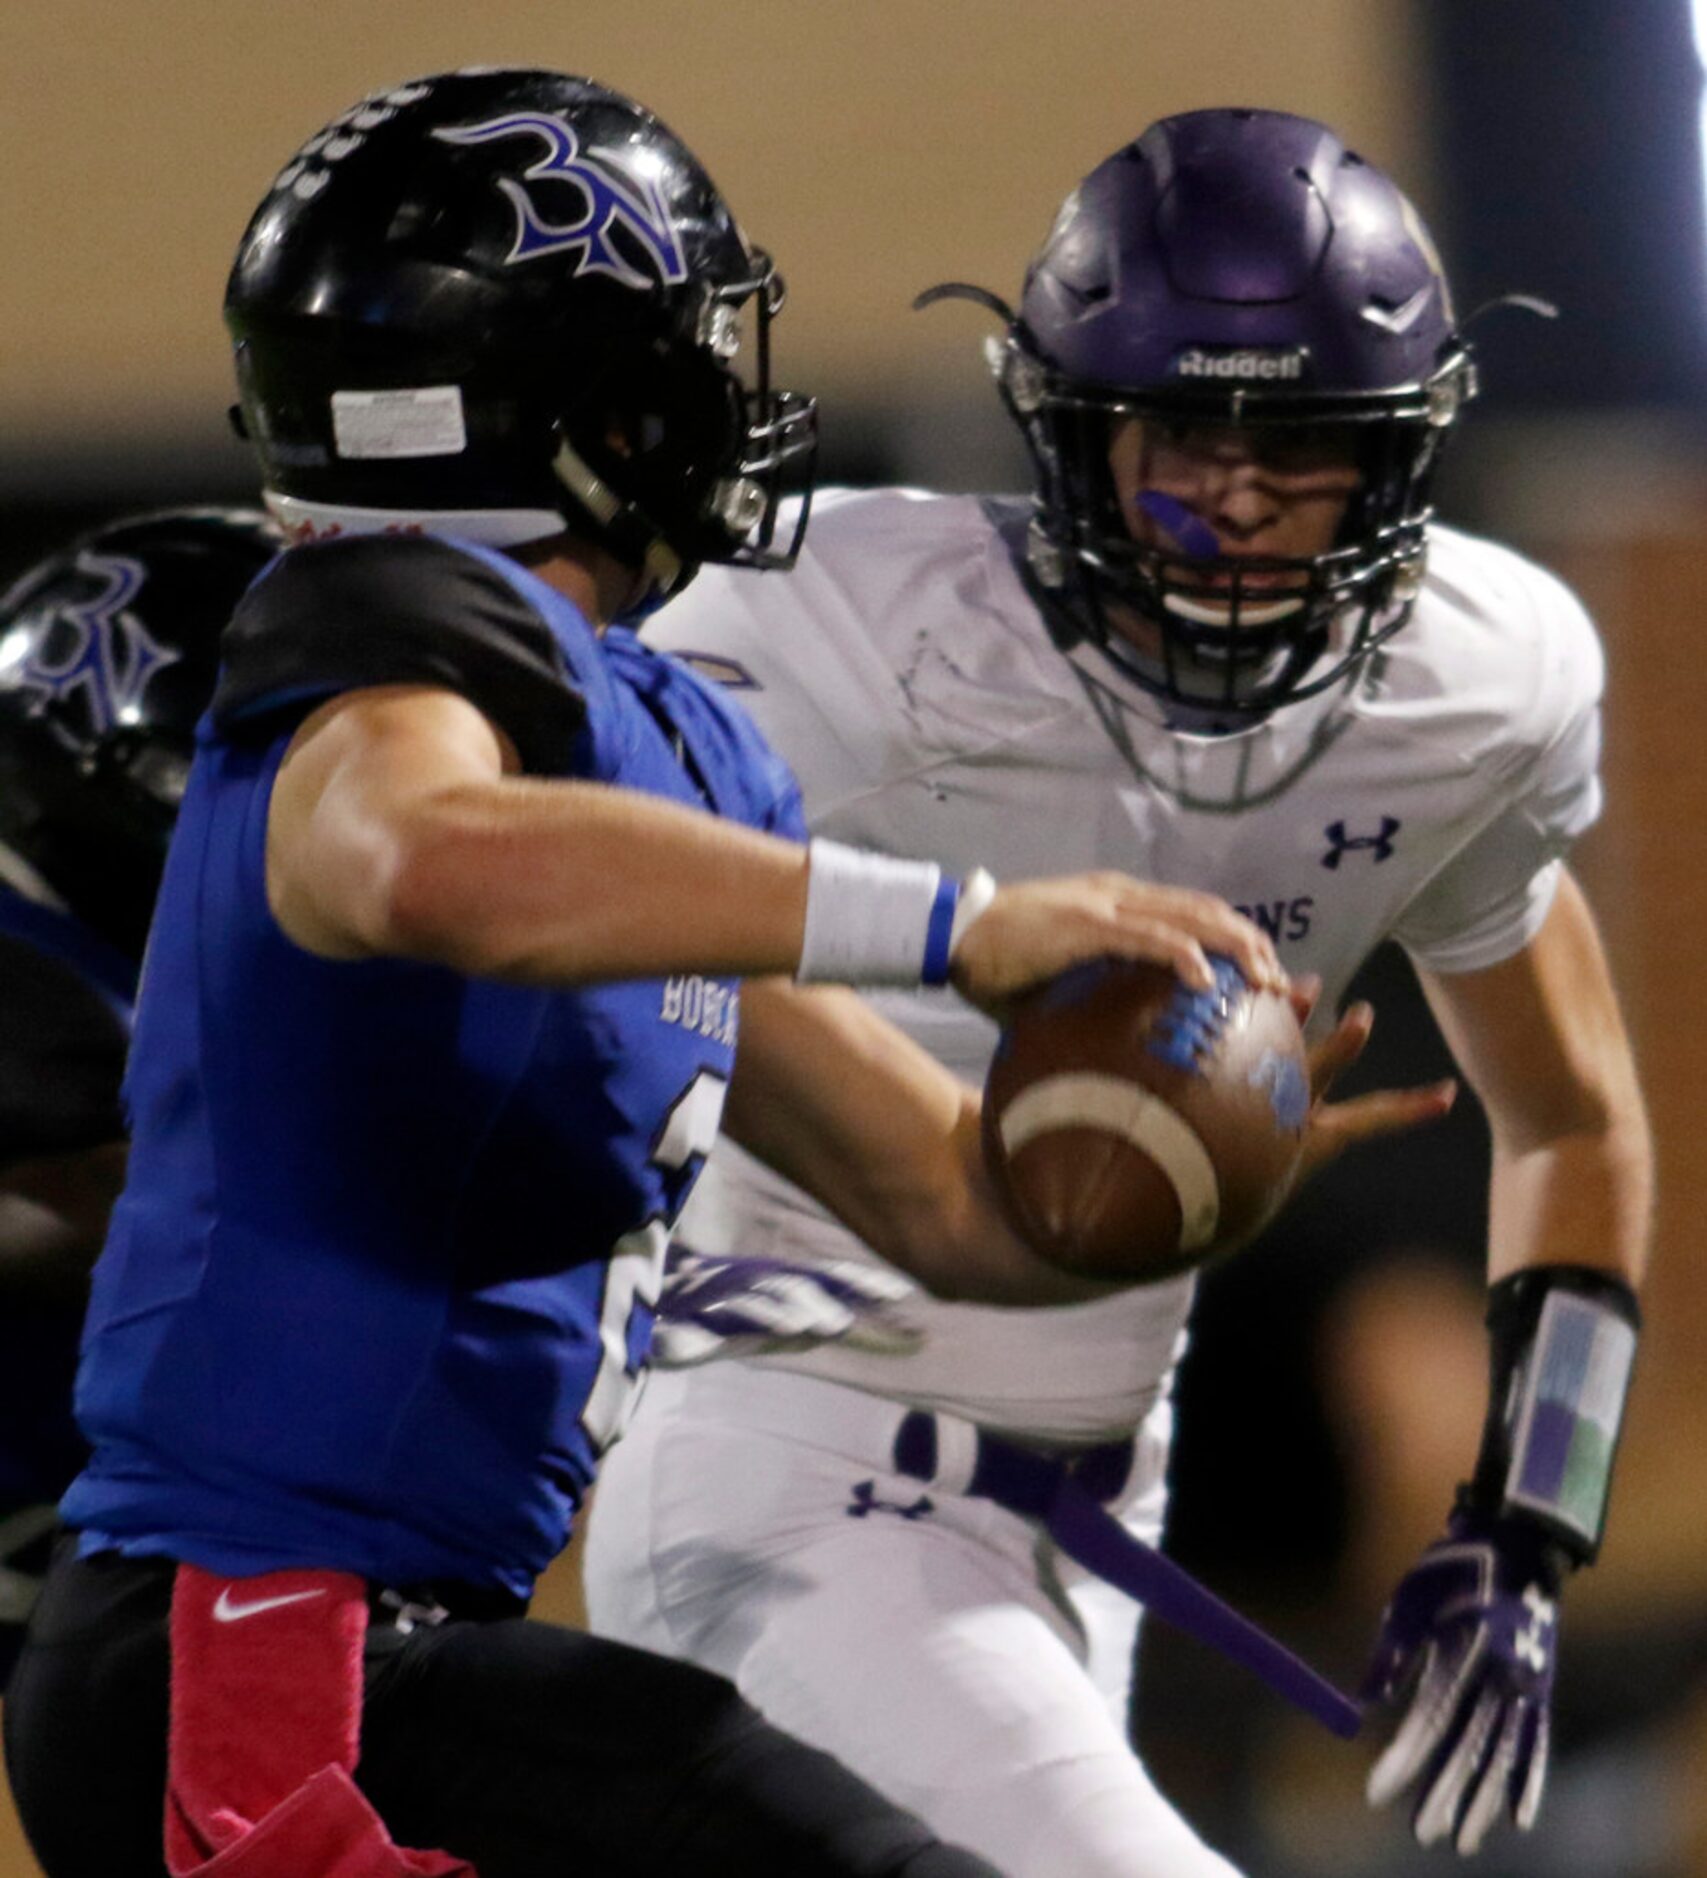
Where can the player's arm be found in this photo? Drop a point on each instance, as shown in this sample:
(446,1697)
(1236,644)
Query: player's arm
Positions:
(846,1106)
(1542,1041)
(839,1101)
(1468,1643)
(53,1220)
(399,827)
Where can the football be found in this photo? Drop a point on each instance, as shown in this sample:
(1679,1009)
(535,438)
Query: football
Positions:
(1135,1127)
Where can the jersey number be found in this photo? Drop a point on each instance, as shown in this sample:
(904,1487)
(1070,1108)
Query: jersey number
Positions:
(636,1270)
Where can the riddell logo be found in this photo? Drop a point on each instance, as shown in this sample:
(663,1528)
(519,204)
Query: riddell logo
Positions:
(1248,364)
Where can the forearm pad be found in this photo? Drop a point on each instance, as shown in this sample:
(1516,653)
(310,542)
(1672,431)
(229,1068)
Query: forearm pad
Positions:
(1562,1342)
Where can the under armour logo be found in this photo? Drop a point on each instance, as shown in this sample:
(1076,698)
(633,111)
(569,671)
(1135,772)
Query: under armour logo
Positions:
(612,198)
(865,1501)
(1379,845)
(110,659)
(1529,1646)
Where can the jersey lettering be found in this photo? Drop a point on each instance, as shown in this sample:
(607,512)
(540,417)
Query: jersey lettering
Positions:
(703,1006)
(636,1272)
(1281,919)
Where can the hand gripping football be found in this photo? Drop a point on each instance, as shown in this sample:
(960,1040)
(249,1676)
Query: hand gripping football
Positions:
(1134,1127)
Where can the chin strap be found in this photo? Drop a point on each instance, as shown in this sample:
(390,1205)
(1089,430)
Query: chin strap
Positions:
(625,528)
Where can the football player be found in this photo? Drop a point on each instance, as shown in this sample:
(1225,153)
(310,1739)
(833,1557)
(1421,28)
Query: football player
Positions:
(1224,645)
(438,1022)
(107,658)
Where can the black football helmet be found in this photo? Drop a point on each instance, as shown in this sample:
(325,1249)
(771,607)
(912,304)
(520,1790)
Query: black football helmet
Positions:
(108,656)
(1234,269)
(500,303)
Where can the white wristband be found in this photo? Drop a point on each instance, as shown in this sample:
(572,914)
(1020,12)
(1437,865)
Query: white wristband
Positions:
(873,920)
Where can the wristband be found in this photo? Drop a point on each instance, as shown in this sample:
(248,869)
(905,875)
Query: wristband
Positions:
(874,920)
(939,933)
(1562,1345)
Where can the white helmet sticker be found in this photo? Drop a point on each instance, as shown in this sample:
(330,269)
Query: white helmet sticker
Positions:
(423,421)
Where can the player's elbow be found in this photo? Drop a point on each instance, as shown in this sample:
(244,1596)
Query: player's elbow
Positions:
(418,902)
(954,1242)
(933,1229)
(1599,1107)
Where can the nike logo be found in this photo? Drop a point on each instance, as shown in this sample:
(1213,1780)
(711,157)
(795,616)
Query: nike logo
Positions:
(227,1610)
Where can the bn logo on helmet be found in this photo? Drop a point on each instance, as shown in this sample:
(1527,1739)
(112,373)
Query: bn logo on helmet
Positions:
(93,649)
(611,198)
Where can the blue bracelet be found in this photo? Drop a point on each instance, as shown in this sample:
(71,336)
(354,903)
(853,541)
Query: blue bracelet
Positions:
(940,932)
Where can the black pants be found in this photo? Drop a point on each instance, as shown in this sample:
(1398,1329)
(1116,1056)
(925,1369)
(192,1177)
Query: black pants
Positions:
(532,1751)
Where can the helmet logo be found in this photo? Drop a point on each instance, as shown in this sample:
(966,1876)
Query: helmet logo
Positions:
(614,198)
(1245,364)
(1399,319)
(114,658)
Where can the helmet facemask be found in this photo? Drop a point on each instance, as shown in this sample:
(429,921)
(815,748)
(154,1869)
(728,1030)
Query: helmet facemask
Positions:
(674,459)
(1204,628)
(1240,280)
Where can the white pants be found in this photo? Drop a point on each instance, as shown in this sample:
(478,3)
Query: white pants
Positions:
(938,1645)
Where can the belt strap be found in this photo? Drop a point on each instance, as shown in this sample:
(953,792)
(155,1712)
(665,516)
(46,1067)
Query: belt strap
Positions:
(1063,1495)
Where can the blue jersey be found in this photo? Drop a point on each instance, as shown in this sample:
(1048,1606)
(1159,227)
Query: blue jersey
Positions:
(65,1013)
(380,1284)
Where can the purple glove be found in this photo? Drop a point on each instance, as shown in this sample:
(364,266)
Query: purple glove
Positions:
(714,1306)
(1467,1646)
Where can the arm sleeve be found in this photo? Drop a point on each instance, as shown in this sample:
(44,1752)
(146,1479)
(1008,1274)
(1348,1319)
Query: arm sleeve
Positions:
(396,610)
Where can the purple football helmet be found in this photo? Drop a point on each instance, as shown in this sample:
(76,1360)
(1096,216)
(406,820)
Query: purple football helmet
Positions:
(1234,271)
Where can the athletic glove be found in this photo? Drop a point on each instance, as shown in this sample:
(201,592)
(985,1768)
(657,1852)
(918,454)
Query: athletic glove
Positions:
(1468,1644)
(718,1307)
(1468,1647)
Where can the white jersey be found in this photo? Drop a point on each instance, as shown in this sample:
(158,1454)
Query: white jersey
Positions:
(906,674)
